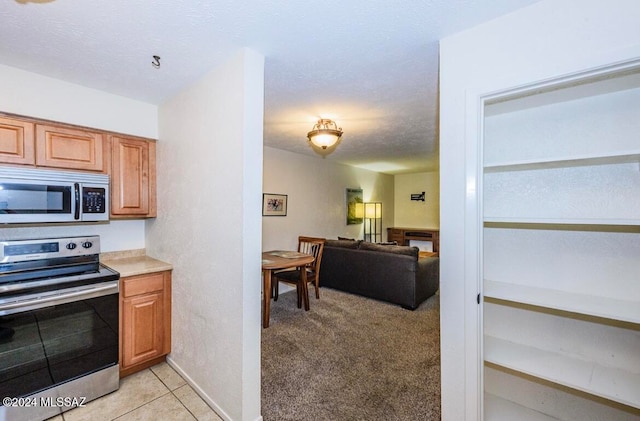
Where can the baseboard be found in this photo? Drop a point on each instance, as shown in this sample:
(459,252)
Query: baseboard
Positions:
(216,408)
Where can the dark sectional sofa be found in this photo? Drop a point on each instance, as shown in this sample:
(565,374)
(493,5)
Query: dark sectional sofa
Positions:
(389,273)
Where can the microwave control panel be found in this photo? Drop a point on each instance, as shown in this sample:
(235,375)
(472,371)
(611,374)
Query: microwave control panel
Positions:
(94,200)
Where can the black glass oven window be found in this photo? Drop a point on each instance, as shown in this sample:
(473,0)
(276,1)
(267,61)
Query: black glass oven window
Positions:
(34,199)
(42,348)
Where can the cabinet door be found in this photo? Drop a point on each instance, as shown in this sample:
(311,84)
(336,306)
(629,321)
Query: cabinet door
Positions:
(394,234)
(16,142)
(69,148)
(145,323)
(143,318)
(132,177)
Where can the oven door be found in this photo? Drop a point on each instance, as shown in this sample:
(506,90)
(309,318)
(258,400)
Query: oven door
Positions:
(52,338)
(32,201)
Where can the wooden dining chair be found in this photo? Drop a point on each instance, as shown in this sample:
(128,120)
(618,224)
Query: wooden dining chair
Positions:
(308,245)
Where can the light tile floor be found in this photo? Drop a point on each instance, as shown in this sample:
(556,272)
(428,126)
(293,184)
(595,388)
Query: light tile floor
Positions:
(158,393)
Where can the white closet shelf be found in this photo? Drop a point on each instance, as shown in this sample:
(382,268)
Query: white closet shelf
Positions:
(507,220)
(499,409)
(624,157)
(555,92)
(611,383)
(608,308)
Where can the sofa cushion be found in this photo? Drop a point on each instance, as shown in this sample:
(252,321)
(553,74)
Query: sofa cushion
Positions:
(346,244)
(404,250)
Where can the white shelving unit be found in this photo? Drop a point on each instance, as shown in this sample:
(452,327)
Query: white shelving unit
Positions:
(632,157)
(561,250)
(608,382)
(509,397)
(500,409)
(572,302)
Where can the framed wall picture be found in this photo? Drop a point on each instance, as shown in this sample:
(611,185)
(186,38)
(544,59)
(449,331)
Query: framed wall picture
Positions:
(274,204)
(354,204)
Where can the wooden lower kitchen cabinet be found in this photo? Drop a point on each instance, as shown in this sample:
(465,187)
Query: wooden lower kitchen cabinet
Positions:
(145,321)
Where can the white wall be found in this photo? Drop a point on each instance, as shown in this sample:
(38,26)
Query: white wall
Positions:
(417,214)
(114,235)
(543,41)
(316,190)
(209,228)
(33,95)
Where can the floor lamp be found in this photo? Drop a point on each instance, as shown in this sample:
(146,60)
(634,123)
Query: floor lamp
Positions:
(373,222)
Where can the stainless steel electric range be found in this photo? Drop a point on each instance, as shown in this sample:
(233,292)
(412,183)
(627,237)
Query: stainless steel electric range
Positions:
(58,326)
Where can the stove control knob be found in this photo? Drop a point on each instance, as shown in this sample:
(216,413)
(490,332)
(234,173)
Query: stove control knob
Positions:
(71,246)
(87,244)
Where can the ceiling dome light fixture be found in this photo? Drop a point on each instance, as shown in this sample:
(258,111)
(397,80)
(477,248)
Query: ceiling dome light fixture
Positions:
(325,133)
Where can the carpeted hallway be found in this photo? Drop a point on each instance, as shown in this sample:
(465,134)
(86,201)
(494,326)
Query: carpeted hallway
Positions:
(351,358)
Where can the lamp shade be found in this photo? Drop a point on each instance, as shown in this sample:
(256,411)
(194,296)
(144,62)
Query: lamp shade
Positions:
(325,133)
(373,210)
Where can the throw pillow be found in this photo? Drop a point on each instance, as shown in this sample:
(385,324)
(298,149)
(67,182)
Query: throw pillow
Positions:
(405,250)
(347,244)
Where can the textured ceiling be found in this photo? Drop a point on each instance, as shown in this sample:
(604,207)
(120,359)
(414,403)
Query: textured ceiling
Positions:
(371,65)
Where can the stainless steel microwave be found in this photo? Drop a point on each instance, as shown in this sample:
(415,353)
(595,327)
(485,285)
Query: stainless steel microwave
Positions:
(30,196)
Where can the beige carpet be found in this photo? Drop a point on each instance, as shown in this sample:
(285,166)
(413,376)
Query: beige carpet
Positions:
(351,358)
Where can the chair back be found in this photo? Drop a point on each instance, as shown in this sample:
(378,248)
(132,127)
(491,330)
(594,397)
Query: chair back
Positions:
(315,247)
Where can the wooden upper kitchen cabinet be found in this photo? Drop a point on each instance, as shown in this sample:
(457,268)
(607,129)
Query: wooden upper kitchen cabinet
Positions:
(145,329)
(27,142)
(16,141)
(130,161)
(70,148)
(133,177)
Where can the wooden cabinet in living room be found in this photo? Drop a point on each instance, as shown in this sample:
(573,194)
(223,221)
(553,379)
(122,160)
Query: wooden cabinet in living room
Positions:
(396,234)
(403,236)
(133,177)
(145,329)
(16,141)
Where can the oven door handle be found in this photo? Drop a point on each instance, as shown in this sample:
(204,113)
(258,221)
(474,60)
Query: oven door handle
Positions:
(59,298)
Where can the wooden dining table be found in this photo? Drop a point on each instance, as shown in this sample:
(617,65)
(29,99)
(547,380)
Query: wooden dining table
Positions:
(277,260)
